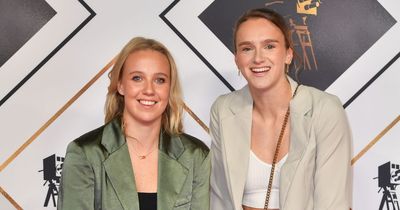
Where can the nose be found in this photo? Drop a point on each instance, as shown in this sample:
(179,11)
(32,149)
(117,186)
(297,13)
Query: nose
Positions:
(258,56)
(148,88)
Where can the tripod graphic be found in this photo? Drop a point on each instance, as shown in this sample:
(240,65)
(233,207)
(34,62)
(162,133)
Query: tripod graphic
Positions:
(304,38)
(300,29)
(52,166)
(388,180)
(51,192)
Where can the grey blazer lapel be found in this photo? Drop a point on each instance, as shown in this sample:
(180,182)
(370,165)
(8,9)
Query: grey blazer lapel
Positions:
(118,166)
(300,107)
(236,132)
(171,173)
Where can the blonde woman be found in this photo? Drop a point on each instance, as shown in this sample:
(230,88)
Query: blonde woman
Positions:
(140,159)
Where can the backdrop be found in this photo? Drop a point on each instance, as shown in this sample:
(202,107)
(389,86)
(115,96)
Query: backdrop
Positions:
(55,55)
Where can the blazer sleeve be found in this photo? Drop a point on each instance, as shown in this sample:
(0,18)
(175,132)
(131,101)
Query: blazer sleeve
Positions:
(77,181)
(201,185)
(333,182)
(219,194)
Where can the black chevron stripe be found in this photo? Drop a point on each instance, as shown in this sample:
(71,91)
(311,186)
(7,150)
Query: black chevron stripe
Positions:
(220,77)
(52,53)
(363,88)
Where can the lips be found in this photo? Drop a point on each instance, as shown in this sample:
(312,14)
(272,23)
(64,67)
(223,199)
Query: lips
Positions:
(147,102)
(260,69)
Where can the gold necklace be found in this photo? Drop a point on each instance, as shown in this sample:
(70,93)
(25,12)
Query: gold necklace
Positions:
(141,157)
(278,145)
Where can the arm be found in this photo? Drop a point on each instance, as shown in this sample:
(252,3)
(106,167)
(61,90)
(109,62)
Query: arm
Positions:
(77,181)
(219,195)
(201,185)
(333,173)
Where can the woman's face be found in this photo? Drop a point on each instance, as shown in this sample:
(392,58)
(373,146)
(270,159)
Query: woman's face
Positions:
(261,53)
(145,85)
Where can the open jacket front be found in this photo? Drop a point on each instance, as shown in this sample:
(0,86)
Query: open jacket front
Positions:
(317,172)
(97,172)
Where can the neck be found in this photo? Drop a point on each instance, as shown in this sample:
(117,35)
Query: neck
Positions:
(273,101)
(145,134)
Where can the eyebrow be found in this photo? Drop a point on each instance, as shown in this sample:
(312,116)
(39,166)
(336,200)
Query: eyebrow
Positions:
(250,43)
(162,74)
(141,72)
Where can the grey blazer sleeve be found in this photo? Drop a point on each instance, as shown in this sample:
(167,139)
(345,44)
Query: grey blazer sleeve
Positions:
(333,160)
(219,195)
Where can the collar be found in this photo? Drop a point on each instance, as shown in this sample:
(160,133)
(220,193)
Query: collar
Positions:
(170,145)
(299,104)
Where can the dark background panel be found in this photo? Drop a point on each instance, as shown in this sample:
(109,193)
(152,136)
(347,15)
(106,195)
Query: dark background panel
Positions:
(19,21)
(340,32)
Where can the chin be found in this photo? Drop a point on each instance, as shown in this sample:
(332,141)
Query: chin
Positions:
(149,119)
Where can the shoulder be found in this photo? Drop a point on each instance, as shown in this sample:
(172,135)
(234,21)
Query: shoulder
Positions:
(236,95)
(236,100)
(194,145)
(87,141)
(325,109)
(319,99)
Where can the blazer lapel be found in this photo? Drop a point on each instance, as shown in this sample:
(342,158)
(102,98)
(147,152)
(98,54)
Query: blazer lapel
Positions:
(118,166)
(236,132)
(300,107)
(171,173)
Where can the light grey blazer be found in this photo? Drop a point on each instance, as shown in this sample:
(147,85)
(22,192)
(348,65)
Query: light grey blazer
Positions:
(317,173)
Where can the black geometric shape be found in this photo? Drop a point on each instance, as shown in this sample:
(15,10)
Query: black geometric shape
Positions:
(52,53)
(19,21)
(341,31)
(187,42)
(376,76)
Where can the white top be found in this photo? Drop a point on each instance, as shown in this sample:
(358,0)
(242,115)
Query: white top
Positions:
(255,189)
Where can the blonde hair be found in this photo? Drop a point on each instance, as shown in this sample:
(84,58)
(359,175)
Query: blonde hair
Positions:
(171,119)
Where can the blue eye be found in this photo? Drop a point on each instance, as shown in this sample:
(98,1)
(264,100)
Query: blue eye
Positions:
(269,46)
(160,80)
(245,49)
(136,78)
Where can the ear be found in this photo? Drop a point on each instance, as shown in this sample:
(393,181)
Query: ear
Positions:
(120,88)
(236,62)
(289,56)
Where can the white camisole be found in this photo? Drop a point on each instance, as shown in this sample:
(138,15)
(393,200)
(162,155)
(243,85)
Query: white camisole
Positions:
(255,189)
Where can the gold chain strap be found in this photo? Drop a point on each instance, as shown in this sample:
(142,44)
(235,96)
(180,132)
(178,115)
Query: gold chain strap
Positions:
(278,145)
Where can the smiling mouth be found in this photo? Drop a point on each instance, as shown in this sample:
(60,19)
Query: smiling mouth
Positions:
(147,102)
(260,69)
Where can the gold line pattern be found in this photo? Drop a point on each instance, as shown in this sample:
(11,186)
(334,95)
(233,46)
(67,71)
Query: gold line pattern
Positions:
(195,117)
(375,140)
(8,197)
(56,115)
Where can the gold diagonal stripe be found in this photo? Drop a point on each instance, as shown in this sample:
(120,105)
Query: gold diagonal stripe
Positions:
(194,116)
(8,197)
(375,140)
(56,115)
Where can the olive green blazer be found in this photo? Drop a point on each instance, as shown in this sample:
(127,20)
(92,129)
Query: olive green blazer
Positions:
(97,172)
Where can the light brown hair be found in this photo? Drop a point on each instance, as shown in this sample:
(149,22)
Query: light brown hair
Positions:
(275,18)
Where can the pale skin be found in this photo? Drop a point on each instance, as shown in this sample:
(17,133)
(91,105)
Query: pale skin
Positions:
(261,57)
(145,85)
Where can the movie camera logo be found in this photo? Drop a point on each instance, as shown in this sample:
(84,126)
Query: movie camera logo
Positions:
(301,34)
(388,180)
(326,47)
(52,167)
